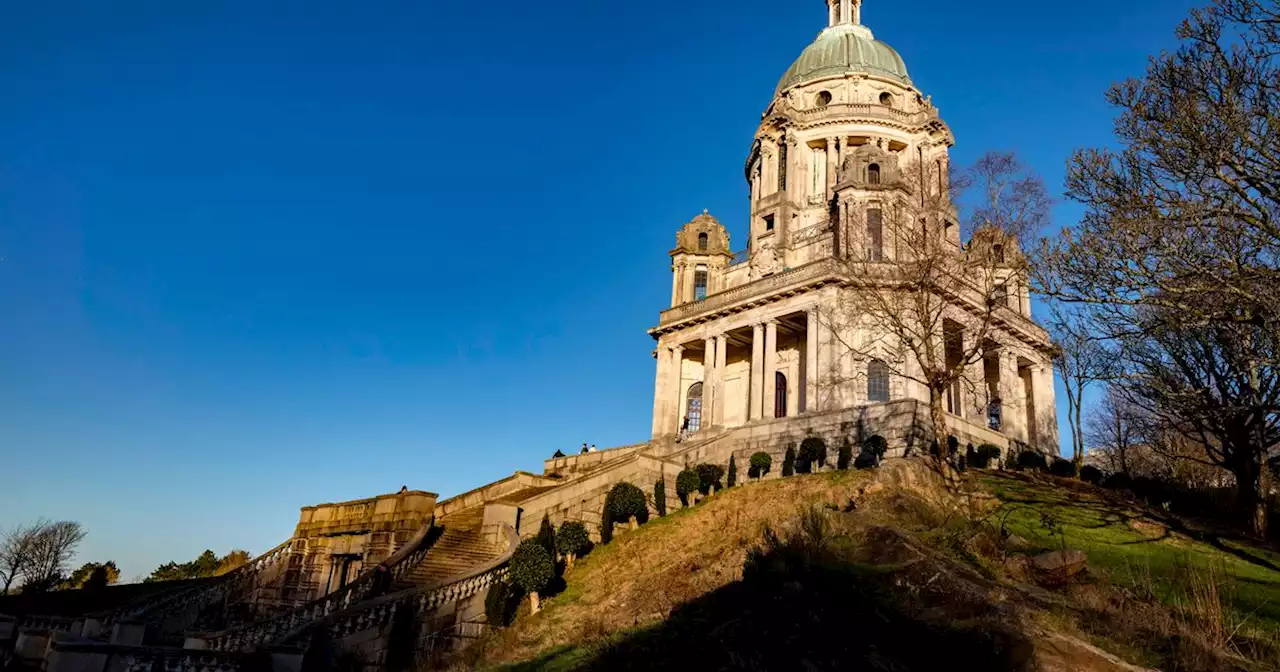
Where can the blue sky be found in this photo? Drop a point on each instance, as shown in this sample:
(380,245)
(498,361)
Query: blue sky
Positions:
(260,255)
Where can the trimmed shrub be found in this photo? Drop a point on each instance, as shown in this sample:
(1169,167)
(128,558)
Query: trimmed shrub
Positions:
(803,465)
(1118,481)
(814,451)
(686,484)
(660,496)
(984,455)
(844,456)
(500,604)
(1091,474)
(953,445)
(1063,468)
(531,569)
(709,476)
(626,500)
(789,462)
(547,536)
(731,478)
(760,465)
(1032,459)
(572,540)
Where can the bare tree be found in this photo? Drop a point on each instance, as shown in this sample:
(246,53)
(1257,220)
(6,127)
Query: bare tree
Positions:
(1081,360)
(1113,432)
(915,298)
(54,546)
(18,551)
(1178,254)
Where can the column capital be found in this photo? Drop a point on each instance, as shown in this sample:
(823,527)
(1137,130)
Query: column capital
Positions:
(677,348)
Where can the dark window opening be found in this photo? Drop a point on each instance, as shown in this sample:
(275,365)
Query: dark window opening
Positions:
(997,251)
(702,242)
(768,222)
(824,98)
(782,164)
(779,395)
(1000,296)
(873,174)
(877,381)
(886,98)
(875,235)
(699,284)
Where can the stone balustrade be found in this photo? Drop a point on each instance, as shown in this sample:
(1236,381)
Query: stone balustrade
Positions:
(755,289)
(229,586)
(99,657)
(345,616)
(868,111)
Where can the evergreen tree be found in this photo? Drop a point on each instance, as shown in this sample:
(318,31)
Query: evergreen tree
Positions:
(732,478)
(547,537)
(660,496)
(789,462)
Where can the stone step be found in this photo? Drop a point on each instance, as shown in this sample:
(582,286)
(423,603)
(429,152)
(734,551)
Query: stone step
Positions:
(459,549)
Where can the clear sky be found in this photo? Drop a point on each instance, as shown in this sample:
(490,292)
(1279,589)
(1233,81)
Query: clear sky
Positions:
(257,255)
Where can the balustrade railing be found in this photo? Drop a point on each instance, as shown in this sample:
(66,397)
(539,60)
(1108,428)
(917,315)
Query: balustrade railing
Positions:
(871,110)
(228,586)
(54,623)
(369,585)
(118,658)
(759,287)
(370,614)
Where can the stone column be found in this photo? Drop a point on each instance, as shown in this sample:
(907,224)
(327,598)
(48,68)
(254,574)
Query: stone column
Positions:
(675,283)
(811,362)
(1046,438)
(710,386)
(676,390)
(757,372)
(663,355)
(722,347)
(833,165)
(1013,416)
(770,367)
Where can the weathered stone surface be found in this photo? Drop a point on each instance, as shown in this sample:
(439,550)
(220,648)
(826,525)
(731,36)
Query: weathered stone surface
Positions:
(1059,565)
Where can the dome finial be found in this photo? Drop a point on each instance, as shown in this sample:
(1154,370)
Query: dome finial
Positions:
(844,13)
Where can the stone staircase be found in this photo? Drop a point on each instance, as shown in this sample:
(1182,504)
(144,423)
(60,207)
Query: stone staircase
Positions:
(460,548)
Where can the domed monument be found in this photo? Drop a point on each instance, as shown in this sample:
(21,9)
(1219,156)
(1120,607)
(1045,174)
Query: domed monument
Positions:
(848,176)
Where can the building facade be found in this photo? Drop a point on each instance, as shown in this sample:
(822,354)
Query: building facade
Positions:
(848,176)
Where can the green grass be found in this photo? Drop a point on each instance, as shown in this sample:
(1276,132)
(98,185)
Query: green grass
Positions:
(1151,558)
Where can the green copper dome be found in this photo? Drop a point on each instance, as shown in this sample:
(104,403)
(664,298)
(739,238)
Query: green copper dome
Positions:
(845,49)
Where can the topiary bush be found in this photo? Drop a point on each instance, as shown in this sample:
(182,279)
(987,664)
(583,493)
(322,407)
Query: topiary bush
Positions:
(984,455)
(760,465)
(531,569)
(1033,460)
(873,450)
(709,476)
(731,477)
(660,496)
(1091,474)
(789,462)
(686,484)
(844,456)
(572,541)
(1063,468)
(813,450)
(500,604)
(626,500)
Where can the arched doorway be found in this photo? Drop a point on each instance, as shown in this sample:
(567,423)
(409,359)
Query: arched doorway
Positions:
(693,408)
(779,395)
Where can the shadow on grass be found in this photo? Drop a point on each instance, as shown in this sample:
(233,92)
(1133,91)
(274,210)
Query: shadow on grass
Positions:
(794,612)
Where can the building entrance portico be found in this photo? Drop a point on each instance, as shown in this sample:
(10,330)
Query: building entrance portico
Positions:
(764,369)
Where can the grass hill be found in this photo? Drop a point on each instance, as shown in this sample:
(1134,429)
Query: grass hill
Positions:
(888,570)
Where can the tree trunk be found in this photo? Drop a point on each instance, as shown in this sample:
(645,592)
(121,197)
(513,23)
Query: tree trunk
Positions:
(1252,486)
(939,421)
(533,602)
(568,560)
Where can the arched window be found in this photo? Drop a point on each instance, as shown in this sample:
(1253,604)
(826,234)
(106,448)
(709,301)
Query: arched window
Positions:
(873,174)
(699,282)
(779,395)
(693,409)
(877,381)
(997,253)
(702,242)
(886,98)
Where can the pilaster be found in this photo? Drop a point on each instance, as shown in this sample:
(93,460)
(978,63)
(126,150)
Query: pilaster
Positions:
(722,347)
(811,361)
